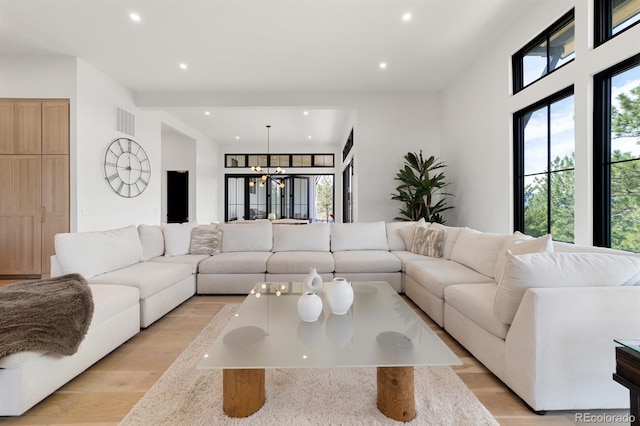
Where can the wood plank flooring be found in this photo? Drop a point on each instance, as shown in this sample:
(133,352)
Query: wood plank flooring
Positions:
(108,390)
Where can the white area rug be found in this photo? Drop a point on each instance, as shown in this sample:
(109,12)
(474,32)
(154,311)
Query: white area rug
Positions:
(185,395)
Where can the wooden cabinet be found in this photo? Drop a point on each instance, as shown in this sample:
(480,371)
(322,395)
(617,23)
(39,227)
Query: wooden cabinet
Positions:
(34,183)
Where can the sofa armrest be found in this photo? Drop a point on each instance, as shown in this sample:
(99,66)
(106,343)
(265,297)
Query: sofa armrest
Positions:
(56,271)
(560,345)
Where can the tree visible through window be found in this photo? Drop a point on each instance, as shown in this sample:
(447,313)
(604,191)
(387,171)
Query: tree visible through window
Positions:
(618,147)
(544,168)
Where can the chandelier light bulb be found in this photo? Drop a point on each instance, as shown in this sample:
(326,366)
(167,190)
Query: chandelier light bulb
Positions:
(264,177)
(262,184)
(278,169)
(258,168)
(251,183)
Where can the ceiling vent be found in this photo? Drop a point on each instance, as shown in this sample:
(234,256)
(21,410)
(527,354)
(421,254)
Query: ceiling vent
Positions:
(125,122)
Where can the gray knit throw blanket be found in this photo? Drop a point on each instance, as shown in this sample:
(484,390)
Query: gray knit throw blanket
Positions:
(51,315)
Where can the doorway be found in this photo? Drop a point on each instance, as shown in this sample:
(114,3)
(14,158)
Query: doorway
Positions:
(177,196)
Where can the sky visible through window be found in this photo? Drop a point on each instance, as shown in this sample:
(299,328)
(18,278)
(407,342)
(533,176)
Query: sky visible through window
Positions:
(536,134)
(623,83)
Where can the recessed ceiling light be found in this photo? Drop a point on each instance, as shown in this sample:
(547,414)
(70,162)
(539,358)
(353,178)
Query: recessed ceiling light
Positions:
(237,137)
(308,137)
(134,17)
(383,65)
(183,66)
(207,113)
(306,113)
(406,17)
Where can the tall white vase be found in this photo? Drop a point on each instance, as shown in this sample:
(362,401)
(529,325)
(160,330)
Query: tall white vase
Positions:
(309,306)
(339,296)
(313,281)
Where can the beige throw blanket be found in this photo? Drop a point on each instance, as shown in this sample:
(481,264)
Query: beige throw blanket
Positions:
(50,315)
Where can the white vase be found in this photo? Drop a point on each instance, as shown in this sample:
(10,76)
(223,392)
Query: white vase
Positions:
(313,281)
(309,306)
(339,296)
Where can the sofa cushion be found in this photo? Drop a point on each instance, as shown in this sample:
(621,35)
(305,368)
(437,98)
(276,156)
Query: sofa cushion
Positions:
(247,237)
(372,261)
(236,263)
(312,237)
(475,301)
(438,274)
(479,250)
(299,262)
(407,256)
(560,270)
(193,260)
(149,277)
(93,253)
(522,244)
(206,239)
(359,236)
(152,240)
(428,242)
(451,235)
(400,234)
(177,238)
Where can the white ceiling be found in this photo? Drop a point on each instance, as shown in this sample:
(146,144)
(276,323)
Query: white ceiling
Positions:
(245,46)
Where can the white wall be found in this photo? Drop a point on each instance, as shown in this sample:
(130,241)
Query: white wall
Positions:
(178,153)
(93,97)
(477,110)
(388,126)
(99,207)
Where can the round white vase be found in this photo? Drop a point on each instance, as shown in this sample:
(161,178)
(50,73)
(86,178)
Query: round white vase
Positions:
(339,296)
(313,281)
(309,306)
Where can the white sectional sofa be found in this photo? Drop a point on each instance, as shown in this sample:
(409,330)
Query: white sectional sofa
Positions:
(260,251)
(542,321)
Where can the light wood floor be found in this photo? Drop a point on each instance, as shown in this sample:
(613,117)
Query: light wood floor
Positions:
(106,392)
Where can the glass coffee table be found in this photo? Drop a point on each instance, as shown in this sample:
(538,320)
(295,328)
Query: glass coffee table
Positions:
(380,330)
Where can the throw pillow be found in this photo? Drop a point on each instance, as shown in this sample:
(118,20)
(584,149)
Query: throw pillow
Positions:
(539,270)
(206,240)
(177,238)
(450,238)
(428,242)
(522,244)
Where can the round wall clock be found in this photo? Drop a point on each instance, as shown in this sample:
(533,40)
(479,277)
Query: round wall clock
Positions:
(126,167)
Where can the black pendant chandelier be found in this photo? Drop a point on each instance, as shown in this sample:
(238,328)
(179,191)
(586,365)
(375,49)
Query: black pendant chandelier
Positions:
(264,176)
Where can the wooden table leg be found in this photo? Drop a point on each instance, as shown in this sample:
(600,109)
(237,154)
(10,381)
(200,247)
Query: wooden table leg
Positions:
(396,397)
(242,391)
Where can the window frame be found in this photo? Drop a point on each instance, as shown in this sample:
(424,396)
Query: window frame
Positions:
(603,25)
(602,149)
(517,65)
(271,156)
(519,160)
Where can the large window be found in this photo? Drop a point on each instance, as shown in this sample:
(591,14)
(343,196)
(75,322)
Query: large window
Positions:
(613,17)
(549,51)
(617,156)
(305,197)
(544,167)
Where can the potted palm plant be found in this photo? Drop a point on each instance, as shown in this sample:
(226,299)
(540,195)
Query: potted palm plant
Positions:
(421,188)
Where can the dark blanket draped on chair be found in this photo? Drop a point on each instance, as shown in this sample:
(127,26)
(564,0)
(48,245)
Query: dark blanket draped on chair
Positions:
(51,315)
